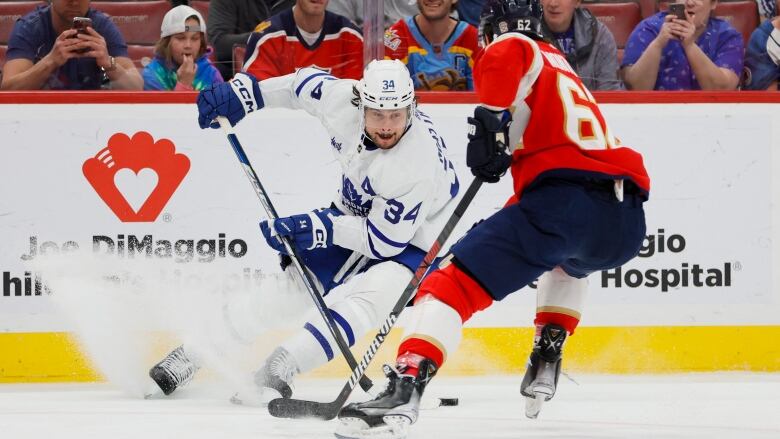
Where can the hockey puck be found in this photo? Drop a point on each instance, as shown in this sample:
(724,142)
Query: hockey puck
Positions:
(448,401)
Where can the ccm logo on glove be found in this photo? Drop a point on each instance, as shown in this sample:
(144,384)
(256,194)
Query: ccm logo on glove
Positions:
(245,92)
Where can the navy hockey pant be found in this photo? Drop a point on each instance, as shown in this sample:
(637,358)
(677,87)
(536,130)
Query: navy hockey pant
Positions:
(577,224)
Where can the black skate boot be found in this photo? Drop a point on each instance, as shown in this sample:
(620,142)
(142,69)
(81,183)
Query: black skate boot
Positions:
(389,415)
(544,367)
(173,372)
(273,380)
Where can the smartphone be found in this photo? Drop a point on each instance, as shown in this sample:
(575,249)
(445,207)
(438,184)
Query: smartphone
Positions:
(80,24)
(677,9)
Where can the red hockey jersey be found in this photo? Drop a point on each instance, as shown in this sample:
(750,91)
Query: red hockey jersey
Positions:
(557,124)
(276,48)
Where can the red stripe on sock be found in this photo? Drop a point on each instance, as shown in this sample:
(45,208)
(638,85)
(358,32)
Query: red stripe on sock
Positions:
(568,322)
(423,348)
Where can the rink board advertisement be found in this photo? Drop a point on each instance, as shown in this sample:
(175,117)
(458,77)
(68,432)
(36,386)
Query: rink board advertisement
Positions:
(98,187)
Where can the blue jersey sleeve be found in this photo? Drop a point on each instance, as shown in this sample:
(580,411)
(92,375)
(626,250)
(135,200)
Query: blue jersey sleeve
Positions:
(760,69)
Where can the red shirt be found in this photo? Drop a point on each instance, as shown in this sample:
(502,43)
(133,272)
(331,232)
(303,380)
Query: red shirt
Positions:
(557,123)
(276,48)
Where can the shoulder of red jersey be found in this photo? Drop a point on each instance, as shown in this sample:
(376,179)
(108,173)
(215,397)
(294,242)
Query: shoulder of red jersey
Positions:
(282,26)
(467,36)
(336,24)
(278,26)
(397,36)
(507,69)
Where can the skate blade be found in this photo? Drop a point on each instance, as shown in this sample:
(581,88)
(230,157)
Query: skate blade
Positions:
(395,427)
(153,392)
(533,405)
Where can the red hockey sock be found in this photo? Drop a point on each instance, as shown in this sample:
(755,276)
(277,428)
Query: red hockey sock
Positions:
(414,350)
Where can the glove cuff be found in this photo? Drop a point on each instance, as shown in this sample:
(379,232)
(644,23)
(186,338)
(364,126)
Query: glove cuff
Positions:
(246,88)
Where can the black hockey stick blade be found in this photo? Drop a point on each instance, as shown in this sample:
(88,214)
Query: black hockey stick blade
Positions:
(302,409)
(298,408)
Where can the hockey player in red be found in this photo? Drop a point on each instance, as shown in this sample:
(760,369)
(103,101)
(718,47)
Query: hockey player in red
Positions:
(577,208)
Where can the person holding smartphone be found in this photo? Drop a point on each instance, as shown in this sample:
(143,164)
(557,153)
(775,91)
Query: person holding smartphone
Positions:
(66,45)
(684,48)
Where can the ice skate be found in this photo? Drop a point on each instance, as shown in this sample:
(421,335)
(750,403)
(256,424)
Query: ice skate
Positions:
(174,371)
(273,380)
(389,415)
(544,367)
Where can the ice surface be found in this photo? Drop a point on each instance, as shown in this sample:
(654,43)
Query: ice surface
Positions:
(727,405)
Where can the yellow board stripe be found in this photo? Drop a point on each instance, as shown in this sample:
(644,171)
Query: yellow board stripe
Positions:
(56,357)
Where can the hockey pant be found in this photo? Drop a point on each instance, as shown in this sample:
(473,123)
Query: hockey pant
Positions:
(357,306)
(560,231)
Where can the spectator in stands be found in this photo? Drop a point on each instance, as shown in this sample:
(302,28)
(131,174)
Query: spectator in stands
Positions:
(231,22)
(767,9)
(181,61)
(437,49)
(44,52)
(470,11)
(699,53)
(394,10)
(587,43)
(305,36)
(762,57)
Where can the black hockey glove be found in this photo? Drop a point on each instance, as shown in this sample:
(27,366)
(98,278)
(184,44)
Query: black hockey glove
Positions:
(487,153)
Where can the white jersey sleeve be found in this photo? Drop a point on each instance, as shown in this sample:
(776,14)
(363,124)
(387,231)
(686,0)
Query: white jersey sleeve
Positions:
(318,93)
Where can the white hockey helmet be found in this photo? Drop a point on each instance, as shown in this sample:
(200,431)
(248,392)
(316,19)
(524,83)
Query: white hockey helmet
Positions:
(386,85)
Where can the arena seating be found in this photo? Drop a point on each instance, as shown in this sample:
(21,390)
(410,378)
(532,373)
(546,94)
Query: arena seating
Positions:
(742,14)
(620,17)
(648,7)
(10,12)
(141,55)
(202,7)
(239,51)
(139,21)
(3,49)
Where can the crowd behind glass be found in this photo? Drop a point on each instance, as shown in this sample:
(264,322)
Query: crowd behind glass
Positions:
(84,45)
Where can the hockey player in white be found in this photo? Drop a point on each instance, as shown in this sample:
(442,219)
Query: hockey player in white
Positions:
(396,186)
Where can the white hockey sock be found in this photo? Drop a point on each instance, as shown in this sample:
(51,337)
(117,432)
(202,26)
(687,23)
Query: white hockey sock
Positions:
(437,323)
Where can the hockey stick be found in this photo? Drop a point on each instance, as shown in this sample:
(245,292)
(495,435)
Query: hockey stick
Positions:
(311,286)
(297,408)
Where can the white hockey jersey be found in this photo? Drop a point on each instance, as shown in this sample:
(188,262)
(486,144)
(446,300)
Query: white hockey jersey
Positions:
(390,198)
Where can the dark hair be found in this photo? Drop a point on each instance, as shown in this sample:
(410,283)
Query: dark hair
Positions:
(163,49)
(355,101)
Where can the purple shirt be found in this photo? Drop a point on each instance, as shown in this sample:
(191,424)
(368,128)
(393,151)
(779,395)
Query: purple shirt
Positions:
(720,42)
(33,37)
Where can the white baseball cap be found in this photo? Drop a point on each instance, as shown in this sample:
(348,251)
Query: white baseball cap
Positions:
(175,19)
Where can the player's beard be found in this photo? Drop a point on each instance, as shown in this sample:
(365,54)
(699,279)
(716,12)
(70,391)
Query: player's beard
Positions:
(385,140)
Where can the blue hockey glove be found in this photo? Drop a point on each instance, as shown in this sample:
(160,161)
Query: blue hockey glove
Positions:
(273,239)
(487,153)
(308,230)
(233,99)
